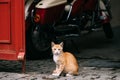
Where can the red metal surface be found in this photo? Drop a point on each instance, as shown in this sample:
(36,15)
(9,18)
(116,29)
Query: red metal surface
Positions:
(5,18)
(77,7)
(81,5)
(50,14)
(90,5)
(12,32)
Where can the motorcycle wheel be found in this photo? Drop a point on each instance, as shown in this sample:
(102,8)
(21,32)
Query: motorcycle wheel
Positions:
(108,30)
(38,44)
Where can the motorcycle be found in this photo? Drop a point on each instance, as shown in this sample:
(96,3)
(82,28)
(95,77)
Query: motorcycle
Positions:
(47,20)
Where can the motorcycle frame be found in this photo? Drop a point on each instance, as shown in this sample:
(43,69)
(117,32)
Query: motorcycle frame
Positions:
(91,5)
(45,29)
(76,8)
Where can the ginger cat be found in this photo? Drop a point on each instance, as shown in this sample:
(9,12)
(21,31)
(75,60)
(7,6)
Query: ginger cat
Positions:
(65,61)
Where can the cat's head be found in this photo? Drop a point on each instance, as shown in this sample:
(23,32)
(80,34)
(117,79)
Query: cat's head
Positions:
(57,48)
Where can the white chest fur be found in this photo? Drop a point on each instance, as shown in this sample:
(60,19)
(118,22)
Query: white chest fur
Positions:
(55,58)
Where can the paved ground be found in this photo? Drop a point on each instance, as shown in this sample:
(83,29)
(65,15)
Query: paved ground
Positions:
(98,57)
(90,69)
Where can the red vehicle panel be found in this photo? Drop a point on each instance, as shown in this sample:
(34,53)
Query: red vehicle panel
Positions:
(45,14)
(77,6)
(12,32)
(90,5)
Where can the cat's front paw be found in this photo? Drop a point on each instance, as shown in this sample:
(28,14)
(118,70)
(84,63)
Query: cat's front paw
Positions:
(55,71)
(69,75)
(55,74)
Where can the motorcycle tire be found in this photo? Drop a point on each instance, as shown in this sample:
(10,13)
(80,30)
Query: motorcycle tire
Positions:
(37,44)
(108,30)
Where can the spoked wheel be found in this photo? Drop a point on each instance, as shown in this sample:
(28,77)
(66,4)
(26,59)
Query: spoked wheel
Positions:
(38,43)
(108,30)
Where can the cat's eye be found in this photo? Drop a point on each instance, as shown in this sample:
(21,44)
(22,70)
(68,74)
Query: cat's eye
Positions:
(54,49)
(59,49)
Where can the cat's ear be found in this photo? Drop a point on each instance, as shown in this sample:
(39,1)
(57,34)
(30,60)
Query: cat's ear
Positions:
(61,44)
(52,44)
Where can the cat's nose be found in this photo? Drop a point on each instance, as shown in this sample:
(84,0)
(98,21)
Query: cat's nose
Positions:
(56,53)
